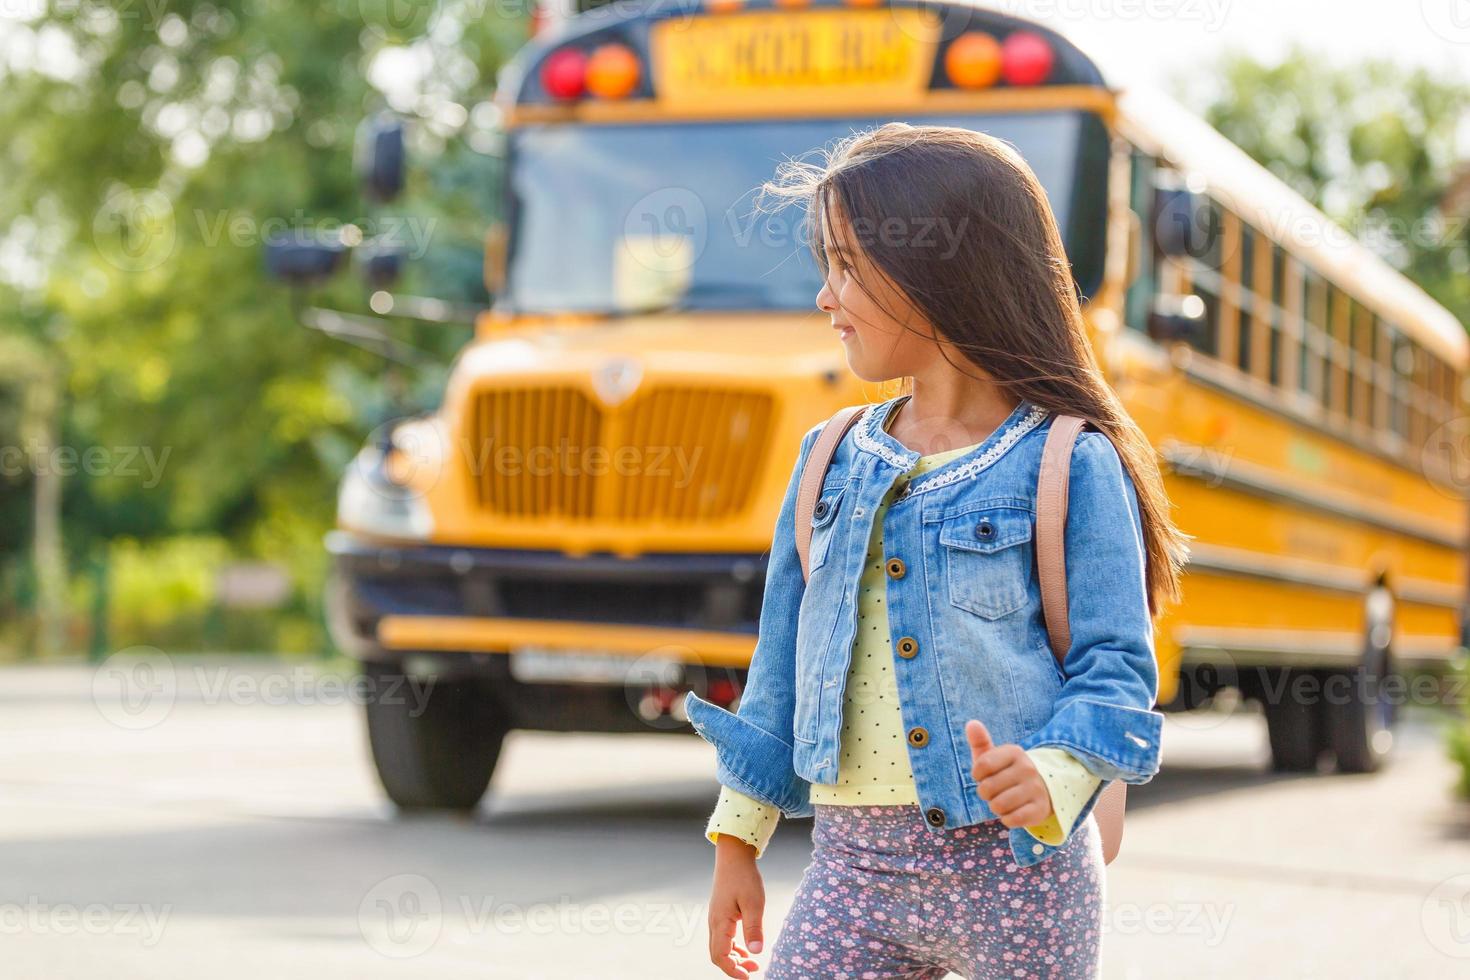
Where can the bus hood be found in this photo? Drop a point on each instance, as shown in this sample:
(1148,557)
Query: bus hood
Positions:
(691,346)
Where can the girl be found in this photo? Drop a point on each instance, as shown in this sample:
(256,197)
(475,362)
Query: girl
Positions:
(904,693)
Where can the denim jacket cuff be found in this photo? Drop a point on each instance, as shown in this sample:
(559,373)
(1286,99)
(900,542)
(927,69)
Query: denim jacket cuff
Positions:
(1114,741)
(749,758)
(1026,850)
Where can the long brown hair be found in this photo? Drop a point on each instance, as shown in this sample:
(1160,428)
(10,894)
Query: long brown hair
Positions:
(957,221)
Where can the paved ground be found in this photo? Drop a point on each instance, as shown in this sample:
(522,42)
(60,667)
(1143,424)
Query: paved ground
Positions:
(237,831)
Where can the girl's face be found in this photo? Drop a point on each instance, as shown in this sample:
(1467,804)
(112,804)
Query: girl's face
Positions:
(884,334)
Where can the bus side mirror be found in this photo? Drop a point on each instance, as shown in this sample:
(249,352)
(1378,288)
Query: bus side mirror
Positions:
(303,263)
(496,242)
(380,265)
(379,157)
(1175,318)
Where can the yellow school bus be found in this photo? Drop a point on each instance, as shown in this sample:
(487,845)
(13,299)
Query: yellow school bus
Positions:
(578,534)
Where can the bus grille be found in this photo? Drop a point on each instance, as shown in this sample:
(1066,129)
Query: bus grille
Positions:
(671,454)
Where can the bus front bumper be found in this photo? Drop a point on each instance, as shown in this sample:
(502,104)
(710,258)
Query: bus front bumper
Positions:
(387,601)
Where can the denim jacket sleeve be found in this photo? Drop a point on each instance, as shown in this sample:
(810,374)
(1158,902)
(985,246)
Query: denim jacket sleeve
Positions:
(1104,712)
(754,744)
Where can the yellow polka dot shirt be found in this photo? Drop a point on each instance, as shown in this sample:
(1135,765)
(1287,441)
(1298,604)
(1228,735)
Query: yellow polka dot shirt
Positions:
(874,765)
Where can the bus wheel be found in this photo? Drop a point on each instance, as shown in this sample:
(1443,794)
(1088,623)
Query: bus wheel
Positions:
(435,745)
(1361,706)
(1295,726)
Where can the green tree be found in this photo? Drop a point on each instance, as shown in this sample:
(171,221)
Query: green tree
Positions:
(150,149)
(1379,147)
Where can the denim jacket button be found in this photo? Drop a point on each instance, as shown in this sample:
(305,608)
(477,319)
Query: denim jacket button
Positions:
(908,648)
(820,511)
(935,816)
(896,568)
(919,736)
(1037,848)
(985,529)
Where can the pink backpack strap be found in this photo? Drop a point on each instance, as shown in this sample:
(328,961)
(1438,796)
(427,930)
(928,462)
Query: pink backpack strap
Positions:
(1051,568)
(1051,525)
(813,474)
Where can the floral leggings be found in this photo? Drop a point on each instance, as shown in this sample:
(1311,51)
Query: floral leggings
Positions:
(884,897)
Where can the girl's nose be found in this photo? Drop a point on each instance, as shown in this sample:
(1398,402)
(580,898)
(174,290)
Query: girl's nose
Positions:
(826,302)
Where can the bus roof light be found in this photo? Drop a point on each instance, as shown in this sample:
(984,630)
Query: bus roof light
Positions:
(564,74)
(973,60)
(612,71)
(1026,58)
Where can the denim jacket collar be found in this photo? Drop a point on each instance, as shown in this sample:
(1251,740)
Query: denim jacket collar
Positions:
(871,436)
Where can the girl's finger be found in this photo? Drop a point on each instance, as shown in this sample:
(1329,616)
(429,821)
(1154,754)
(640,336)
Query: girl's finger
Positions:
(721,942)
(1011,799)
(993,785)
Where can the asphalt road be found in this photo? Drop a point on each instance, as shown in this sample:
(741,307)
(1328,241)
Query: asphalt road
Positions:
(238,831)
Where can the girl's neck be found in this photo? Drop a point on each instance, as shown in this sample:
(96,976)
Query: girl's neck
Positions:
(935,419)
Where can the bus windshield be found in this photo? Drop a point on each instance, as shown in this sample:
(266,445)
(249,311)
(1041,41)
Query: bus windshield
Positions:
(622,218)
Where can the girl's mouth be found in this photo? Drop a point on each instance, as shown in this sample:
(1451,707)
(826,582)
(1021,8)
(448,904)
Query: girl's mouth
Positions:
(844,331)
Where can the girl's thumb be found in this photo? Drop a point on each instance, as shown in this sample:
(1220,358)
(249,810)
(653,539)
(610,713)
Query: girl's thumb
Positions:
(978,735)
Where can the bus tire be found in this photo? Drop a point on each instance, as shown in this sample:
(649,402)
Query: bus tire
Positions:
(1295,728)
(1362,718)
(434,746)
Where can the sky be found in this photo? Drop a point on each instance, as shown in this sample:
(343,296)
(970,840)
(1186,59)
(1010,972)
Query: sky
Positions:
(1152,41)
(1149,41)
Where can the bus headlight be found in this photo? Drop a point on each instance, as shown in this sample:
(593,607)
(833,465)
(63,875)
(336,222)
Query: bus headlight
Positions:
(371,502)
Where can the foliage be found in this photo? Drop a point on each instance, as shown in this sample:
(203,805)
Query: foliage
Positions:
(1379,147)
(150,151)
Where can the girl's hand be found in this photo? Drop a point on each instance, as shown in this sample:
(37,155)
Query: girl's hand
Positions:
(738,894)
(1007,779)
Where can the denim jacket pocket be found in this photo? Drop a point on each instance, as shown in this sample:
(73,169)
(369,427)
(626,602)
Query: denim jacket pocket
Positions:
(987,559)
(824,524)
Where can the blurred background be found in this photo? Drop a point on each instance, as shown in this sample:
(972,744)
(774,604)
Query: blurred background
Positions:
(247,254)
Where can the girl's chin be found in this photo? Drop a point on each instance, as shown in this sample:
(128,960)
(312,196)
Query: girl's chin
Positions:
(856,364)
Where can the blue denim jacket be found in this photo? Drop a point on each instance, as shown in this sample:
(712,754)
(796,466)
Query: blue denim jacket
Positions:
(970,601)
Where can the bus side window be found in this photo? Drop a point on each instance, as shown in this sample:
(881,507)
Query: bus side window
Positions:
(1139,300)
(1247,296)
(1205,274)
(1278,316)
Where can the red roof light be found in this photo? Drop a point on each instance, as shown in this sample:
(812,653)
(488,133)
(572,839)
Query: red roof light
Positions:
(1026,59)
(564,74)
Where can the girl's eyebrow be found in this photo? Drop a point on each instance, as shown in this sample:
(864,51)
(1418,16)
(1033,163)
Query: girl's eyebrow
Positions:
(832,247)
